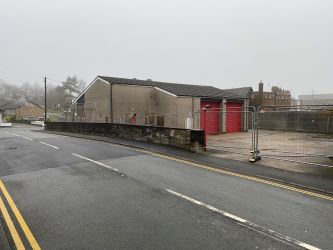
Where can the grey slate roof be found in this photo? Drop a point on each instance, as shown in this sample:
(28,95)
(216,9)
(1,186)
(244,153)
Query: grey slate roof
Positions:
(179,89)
(243,92)
(4,102)
(12,105)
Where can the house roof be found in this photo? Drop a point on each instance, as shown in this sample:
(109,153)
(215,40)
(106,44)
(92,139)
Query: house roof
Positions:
(177,89)
(12,105)
(4,102)
(180,89)
(36,102)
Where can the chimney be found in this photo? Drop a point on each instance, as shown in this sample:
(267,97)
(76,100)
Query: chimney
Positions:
(261,94)
(261,86)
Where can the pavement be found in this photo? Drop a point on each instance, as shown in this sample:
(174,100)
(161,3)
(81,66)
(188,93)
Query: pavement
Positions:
(75,193)
(292,151)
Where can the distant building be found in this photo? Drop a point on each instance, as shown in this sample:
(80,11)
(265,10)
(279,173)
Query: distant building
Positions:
(275,97)
(320,99)
(22,110)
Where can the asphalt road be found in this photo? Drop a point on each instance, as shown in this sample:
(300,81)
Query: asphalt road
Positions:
(81,194)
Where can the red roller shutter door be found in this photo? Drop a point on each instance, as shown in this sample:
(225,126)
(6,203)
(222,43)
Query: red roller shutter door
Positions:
(234,117)
(212,117)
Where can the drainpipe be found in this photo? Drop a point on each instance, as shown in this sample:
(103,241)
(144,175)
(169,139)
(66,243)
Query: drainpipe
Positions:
(207,107)
(111,104)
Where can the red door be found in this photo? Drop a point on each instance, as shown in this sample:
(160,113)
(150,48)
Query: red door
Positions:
(212,117)
(234,117)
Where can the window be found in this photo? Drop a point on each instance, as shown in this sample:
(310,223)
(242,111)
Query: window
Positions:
(160,120)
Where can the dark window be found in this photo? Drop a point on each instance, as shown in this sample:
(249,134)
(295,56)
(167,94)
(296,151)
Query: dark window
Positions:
(160,120)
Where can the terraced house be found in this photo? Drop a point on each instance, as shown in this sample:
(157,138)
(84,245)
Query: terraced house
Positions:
(148,102)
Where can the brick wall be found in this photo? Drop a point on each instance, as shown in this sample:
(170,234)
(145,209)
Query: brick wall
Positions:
(29,109)
(192,140)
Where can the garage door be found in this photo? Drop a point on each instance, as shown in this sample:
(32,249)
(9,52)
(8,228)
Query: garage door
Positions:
(212,117)
(234,117)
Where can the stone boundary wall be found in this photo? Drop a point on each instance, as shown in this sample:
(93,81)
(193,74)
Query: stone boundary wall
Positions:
(188,139)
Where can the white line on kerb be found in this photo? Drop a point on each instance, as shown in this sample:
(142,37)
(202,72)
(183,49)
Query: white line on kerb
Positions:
(245,222)
(96,162)
(48,145)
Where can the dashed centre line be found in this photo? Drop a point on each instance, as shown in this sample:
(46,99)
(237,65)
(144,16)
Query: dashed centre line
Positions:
(245,222)
(21,136)
(96,162)
(26,138)
(48,145)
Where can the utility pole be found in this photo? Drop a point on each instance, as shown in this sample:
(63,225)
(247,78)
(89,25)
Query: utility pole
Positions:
(45,108)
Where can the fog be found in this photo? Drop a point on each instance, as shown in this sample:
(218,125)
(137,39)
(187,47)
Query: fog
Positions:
(226,44)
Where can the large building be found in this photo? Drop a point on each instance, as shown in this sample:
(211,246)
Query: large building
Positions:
(275,97)
(147,102)
(319,99)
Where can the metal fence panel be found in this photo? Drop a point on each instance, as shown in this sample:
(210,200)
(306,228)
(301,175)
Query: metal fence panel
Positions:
(296,137)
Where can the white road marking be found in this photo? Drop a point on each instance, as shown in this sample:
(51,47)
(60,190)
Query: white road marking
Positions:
(21,136)
(48,145)
(26,138)
(245,222)
(96,162)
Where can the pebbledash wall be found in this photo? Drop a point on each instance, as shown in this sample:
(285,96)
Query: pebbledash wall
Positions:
(189,139)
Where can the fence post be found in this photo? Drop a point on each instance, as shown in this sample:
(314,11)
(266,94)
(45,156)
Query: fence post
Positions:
(255,155)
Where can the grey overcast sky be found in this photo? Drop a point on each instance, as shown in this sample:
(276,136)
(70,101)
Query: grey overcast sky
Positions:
(226,44)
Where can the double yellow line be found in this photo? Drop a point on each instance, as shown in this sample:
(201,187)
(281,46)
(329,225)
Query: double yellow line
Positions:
(15,235)
(231,173)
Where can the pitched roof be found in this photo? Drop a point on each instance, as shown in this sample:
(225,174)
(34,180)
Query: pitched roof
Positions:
(243,92)
(12,105)
(179,89)
(36,102)
(4,102)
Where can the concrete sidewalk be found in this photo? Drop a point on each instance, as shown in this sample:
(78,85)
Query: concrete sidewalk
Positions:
(322,182)
(291,151)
